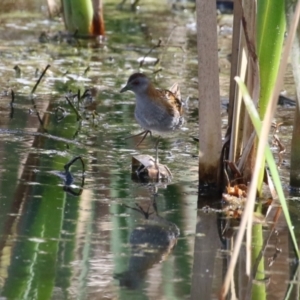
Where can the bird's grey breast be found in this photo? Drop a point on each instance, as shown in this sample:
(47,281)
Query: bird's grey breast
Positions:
(152,116)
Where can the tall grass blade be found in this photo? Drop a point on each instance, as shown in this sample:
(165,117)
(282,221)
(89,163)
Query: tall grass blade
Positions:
(270,35)
(269,157)
(270,110)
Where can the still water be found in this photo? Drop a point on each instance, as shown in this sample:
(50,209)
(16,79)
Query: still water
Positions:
(106,235)
(110,241)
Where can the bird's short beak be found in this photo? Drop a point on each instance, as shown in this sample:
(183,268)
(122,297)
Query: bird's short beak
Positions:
(124,89)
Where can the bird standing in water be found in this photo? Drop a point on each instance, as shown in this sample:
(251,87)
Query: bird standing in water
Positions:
(155,110)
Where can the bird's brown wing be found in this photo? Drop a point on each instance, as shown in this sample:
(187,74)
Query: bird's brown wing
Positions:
(175,90)
(167,99)
(175,101)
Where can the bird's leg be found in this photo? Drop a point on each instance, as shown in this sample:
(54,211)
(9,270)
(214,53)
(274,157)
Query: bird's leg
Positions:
(154,204)
(144,133)
(156,150)
(156,157)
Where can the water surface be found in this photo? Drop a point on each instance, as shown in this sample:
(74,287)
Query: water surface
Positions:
(109,238)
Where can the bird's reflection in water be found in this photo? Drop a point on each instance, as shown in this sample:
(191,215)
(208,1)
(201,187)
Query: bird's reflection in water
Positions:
(151,242)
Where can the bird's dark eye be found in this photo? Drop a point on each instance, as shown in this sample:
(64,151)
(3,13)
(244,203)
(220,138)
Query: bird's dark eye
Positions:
(136,82)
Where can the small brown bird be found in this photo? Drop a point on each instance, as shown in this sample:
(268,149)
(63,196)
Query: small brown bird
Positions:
(155,110)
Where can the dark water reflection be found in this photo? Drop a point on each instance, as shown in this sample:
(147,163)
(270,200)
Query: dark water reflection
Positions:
(110,242)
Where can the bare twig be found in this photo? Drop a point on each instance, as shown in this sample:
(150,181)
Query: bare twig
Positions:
(39,80)
(32,92)
(79,117)
(154,47)
(165,46)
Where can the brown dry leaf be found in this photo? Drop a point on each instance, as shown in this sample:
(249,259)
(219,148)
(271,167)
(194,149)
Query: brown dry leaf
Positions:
(233,200)
(233,212)
(237,213)
(238,190)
